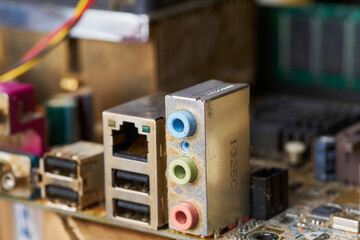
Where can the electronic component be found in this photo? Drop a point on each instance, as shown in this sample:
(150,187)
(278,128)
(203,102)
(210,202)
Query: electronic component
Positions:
(285,118)
(345,222)
(295,151)
(324,158)
(321,55)
(348,155)
(62,121)
(73,176)
(135,162)
(263,235)
(207,158)
(17,103)
(323,212)
(16,175)
(269,192)
(85,118)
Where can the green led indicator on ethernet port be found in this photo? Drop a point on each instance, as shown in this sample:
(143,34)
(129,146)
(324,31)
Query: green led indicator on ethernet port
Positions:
(146,129)
(111,123)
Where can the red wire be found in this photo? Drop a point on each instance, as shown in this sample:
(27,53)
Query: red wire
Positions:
(39,47)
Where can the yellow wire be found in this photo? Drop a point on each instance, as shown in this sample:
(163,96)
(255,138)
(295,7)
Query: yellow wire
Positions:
(12,74)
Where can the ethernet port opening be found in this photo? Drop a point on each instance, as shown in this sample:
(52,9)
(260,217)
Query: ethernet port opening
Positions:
(128,143)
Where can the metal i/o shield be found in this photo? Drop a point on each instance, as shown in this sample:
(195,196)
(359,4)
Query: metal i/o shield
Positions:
(135,163)
(207,141)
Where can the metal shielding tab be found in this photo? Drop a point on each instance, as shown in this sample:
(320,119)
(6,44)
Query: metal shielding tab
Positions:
(211,89)
(345,222)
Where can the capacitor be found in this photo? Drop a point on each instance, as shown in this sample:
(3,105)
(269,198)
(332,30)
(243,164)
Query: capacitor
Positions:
(324,157)
(62,119)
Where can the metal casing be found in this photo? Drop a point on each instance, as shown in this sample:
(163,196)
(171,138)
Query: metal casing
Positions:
(147,111)
(21,167)
(89,180)
(220,150)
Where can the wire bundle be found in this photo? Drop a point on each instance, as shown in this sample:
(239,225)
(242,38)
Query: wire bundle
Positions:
(39,51)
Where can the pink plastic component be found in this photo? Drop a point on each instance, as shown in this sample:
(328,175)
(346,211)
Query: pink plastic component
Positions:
(24,142)
(184,216)
(21,101)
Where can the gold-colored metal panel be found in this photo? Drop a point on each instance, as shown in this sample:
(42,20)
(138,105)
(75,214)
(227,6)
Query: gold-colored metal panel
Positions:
(221,113)
(45,76)
(228,160)
(119,72)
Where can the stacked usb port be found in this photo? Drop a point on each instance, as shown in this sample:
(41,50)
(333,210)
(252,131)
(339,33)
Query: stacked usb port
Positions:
(72,176)
(135,183)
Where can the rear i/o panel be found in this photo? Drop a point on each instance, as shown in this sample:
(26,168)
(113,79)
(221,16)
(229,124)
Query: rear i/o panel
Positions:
(178,166)
(135,163)
(72,176)
(208,161)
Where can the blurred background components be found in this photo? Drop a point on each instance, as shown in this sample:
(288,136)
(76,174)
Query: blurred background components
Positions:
(151,50)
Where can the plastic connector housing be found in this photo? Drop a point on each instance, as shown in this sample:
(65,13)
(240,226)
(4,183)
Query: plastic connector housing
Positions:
(348,155)
(269,192)
(17,116)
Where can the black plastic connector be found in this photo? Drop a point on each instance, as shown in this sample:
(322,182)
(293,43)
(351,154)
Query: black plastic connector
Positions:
(131,181)
(64,195)
(61,167)
(131,210)
(269,192)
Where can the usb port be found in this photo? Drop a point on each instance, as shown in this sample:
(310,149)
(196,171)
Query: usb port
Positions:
(130,180)
(130,210)
(128,143)
(61,167)
(65,195)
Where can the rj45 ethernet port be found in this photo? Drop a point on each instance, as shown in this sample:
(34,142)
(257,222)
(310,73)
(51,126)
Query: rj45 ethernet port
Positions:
(131,210)
(128,143)
(131,181)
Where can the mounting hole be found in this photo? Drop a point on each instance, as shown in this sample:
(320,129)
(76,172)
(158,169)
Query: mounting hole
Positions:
(185,146)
